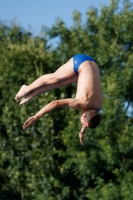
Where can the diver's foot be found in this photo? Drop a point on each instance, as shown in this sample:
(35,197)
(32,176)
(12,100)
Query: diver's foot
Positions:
(25,100)
(21,93)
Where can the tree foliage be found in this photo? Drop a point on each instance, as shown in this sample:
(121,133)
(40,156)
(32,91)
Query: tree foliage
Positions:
(47,161)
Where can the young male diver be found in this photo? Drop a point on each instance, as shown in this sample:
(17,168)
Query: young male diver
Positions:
(81,69)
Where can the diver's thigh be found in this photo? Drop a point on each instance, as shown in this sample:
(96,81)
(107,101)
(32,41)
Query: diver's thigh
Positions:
(65,71)
(68,81)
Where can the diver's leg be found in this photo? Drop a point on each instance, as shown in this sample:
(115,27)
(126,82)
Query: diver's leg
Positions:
(62,73)
(46,88)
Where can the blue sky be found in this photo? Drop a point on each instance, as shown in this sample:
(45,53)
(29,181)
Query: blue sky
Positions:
(36,13)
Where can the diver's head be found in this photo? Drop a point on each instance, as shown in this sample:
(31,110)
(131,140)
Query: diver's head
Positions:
(90,119)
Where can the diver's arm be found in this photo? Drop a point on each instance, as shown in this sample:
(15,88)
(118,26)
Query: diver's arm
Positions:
(73,103)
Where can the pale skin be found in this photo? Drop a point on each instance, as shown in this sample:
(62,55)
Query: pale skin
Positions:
(88,95)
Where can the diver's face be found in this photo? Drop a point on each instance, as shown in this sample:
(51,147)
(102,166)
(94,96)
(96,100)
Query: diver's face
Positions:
(83,122)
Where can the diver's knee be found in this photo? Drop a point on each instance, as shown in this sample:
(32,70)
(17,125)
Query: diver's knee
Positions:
(51,79)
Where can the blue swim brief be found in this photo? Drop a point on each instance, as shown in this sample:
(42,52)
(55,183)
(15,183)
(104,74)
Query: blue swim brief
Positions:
(79,59)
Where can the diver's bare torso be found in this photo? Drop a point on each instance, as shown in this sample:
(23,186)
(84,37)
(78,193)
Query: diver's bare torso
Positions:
(89,92)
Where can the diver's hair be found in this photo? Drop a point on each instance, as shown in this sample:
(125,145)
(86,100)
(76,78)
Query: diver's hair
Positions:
(93,118)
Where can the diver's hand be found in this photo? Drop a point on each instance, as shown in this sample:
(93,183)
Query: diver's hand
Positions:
(81,137)
(29,122)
